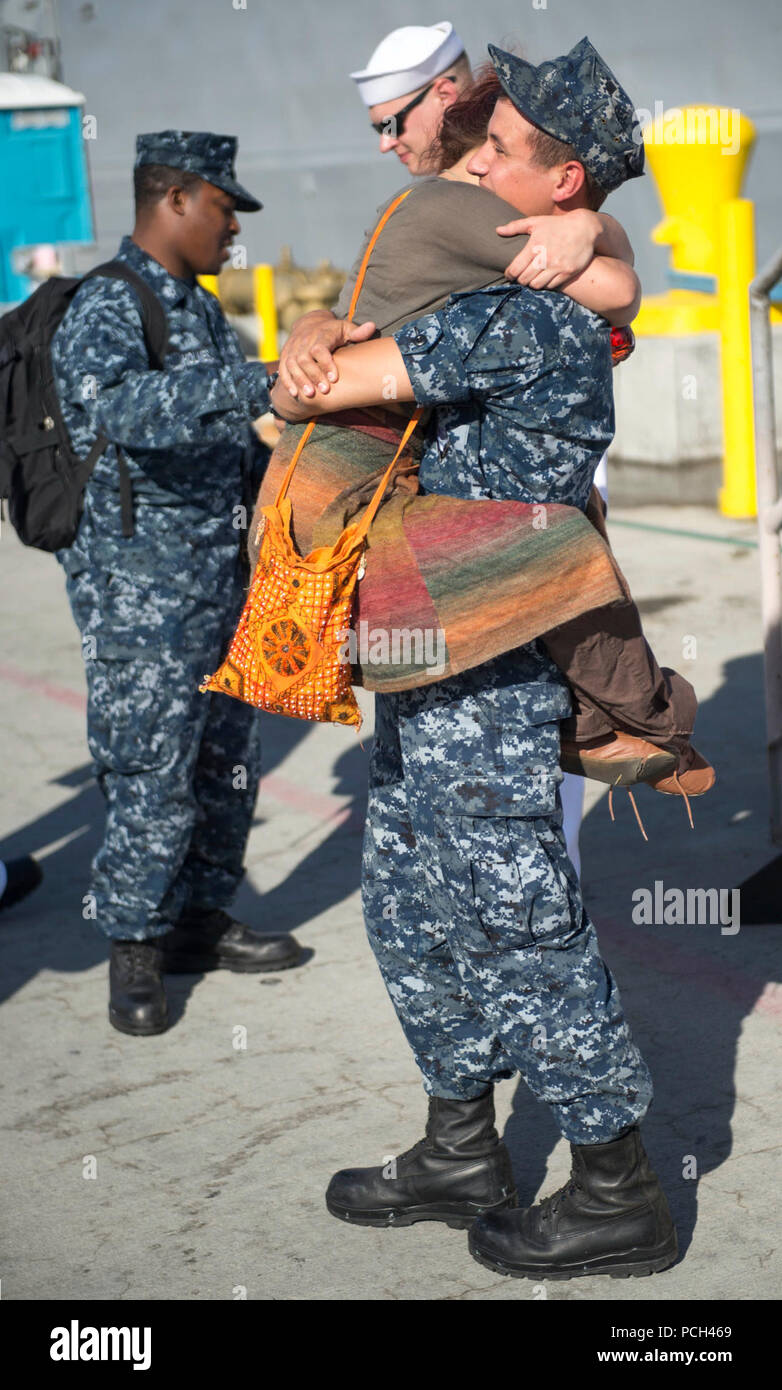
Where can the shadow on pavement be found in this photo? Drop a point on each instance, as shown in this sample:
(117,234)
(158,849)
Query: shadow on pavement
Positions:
(46,930)
(686,989)
(331,872)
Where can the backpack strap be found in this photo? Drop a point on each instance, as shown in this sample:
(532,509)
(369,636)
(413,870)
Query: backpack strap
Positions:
(154,325)
(362,270)
(153,315)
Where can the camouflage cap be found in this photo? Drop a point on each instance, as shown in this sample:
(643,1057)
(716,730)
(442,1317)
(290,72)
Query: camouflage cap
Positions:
(197,152)
(577,99)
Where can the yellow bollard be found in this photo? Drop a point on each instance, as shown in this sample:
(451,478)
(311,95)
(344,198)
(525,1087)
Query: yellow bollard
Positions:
(266,312)
(737,496)
(698,156)
(210,283)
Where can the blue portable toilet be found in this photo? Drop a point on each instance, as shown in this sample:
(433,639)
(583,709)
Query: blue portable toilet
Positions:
(45,196)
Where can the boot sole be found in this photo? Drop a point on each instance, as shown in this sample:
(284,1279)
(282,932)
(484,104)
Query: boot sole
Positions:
(134,1031)
(621,773)
(450,1214)
(619,1267)
(197,965)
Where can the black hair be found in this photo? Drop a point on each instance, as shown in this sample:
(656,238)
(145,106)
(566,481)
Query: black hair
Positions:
(151,183)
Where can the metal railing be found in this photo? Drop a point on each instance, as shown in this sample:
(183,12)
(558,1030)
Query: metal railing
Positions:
(769,525)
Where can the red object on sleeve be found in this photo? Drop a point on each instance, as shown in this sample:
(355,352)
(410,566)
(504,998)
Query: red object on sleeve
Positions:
(622,344)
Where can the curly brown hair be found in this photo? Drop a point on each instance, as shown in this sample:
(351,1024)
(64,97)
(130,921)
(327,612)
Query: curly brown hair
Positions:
(464,123)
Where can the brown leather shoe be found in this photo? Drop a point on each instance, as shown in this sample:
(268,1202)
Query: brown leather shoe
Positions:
(692,777)
(619,759)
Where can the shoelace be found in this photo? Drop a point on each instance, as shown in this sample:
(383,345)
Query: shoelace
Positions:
(551,1205)
(411,1153)
(632,800)
(686,798)
(682,793)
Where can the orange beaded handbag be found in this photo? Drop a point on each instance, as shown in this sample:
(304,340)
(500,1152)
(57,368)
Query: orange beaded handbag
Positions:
(287,654)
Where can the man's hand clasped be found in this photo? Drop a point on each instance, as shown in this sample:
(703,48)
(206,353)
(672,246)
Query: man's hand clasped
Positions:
(306,361)
(560,248)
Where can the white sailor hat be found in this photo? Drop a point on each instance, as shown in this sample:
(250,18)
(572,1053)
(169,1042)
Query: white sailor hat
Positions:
(407,59)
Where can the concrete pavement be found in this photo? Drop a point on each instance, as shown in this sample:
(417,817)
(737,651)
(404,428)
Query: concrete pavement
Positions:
(211,1158)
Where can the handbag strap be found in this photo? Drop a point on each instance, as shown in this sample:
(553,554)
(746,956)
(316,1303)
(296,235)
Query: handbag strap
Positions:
(285,484)
(369,514)
(362,270)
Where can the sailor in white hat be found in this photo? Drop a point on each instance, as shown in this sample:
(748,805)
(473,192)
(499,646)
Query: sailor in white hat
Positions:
(409,81)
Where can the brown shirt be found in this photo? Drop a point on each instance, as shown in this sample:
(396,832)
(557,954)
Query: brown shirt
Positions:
(441,239)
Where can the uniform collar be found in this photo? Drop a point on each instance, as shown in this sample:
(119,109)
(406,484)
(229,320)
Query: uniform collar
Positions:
(167,287)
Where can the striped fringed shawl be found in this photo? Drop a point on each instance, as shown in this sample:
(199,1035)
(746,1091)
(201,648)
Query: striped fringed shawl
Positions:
(487,576)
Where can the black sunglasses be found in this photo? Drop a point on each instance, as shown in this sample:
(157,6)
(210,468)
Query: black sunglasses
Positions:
(395,122)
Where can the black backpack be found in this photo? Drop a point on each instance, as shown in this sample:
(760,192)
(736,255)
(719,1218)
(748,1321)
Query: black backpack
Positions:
(40,475)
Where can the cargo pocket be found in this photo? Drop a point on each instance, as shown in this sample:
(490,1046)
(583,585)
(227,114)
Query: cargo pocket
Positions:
(128,629)
(143,618)
(557,912)
(527,741)
(490,909)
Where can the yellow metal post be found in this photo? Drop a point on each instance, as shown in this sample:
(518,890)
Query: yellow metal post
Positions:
(266,312)
(737,496)
(209,283)
(698,156)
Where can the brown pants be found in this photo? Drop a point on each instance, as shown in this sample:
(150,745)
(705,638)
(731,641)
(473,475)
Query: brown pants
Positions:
(613,674)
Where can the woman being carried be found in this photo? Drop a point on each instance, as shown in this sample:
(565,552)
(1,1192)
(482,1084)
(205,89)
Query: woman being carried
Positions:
(492,574)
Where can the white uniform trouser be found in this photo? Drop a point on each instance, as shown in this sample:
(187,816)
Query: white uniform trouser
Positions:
(572,787)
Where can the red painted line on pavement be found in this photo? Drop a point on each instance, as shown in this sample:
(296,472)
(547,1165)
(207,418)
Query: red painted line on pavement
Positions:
(325,808)
(703,970)
(60,693)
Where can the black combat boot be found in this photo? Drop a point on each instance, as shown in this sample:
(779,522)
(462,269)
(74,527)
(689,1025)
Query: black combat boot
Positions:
(459,1170)
(22,876)
(612,1218)
(211,940)
(137,999)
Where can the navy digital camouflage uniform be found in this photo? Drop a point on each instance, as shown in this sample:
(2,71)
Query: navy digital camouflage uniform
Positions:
(179,770)
(577,99)
(473,908)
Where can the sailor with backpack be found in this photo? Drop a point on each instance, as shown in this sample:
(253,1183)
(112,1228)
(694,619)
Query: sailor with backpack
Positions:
(126,406)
